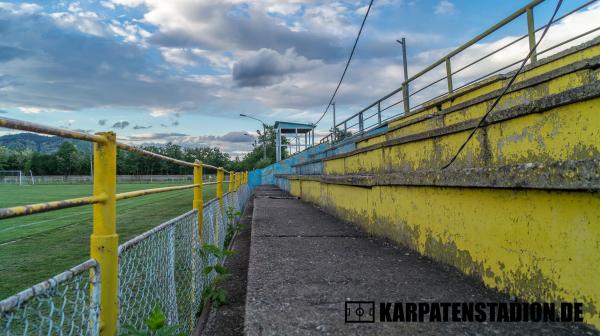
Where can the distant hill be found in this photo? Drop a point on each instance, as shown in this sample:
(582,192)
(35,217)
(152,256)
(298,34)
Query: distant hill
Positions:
(39,143)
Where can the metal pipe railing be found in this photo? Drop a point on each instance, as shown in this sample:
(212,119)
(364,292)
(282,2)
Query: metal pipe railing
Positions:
(24,210)
(446,60)
(104,240)
(144,192)
(48,130)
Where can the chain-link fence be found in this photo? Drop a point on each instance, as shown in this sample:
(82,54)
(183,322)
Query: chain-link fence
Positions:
(162,268)
(63,305)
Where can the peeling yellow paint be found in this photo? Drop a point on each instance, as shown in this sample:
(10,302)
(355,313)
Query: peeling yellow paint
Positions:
(567,132)
(538,245)
(555,86)
(364,162)
(371,141)
(570,132)
(335,167)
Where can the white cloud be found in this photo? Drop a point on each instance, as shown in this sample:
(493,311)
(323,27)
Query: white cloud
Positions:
(160,112)
(283,7)
(130,32)
(107,4)
(128,3)
(331,18)
(177,56)
(243,25)
(445,7)
(20,9)
(196,56)
(361,10)
(156,137)
(216,59)
(234,143)
(30,110)
(85,21)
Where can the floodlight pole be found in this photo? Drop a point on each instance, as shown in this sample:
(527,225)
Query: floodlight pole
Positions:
(405,96)
(264,133)
(334,129)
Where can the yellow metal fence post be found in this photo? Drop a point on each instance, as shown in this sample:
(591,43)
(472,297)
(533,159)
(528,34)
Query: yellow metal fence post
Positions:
(198,203)
(220,174)
(230,183)
(104,242)
(220,178)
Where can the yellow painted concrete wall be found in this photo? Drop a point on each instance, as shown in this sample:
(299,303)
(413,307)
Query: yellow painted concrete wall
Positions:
(538,245)
(541,245)
(567,132)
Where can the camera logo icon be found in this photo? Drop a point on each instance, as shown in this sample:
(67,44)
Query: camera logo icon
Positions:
(360,311)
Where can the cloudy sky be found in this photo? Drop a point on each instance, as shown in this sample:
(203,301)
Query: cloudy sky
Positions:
(183,70)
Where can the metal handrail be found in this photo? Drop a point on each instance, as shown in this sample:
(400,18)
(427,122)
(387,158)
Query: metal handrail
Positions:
(43,129)
(24,210)
(531,31)
(30,209)
(39,128)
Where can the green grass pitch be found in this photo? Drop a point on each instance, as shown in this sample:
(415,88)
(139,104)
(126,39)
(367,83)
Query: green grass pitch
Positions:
(36,247)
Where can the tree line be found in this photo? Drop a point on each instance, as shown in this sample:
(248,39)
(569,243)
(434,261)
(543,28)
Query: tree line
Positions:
(69,160)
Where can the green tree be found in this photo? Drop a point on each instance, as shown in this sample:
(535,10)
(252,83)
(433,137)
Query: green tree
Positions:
(68,159)
(4,152)
(209,155)
(254,159)
(340,134)
(16,159)
(136,164)
(43,164)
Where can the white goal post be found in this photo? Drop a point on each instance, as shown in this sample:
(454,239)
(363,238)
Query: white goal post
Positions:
(11,177)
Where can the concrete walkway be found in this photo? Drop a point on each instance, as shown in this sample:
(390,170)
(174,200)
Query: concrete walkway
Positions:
(305,264)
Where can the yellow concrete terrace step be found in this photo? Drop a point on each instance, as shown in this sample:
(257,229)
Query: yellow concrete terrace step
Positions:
(582,175)
(563,71)
(557,127)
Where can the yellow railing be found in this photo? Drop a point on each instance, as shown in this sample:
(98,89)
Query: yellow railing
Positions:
(104,239)
(375,110)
